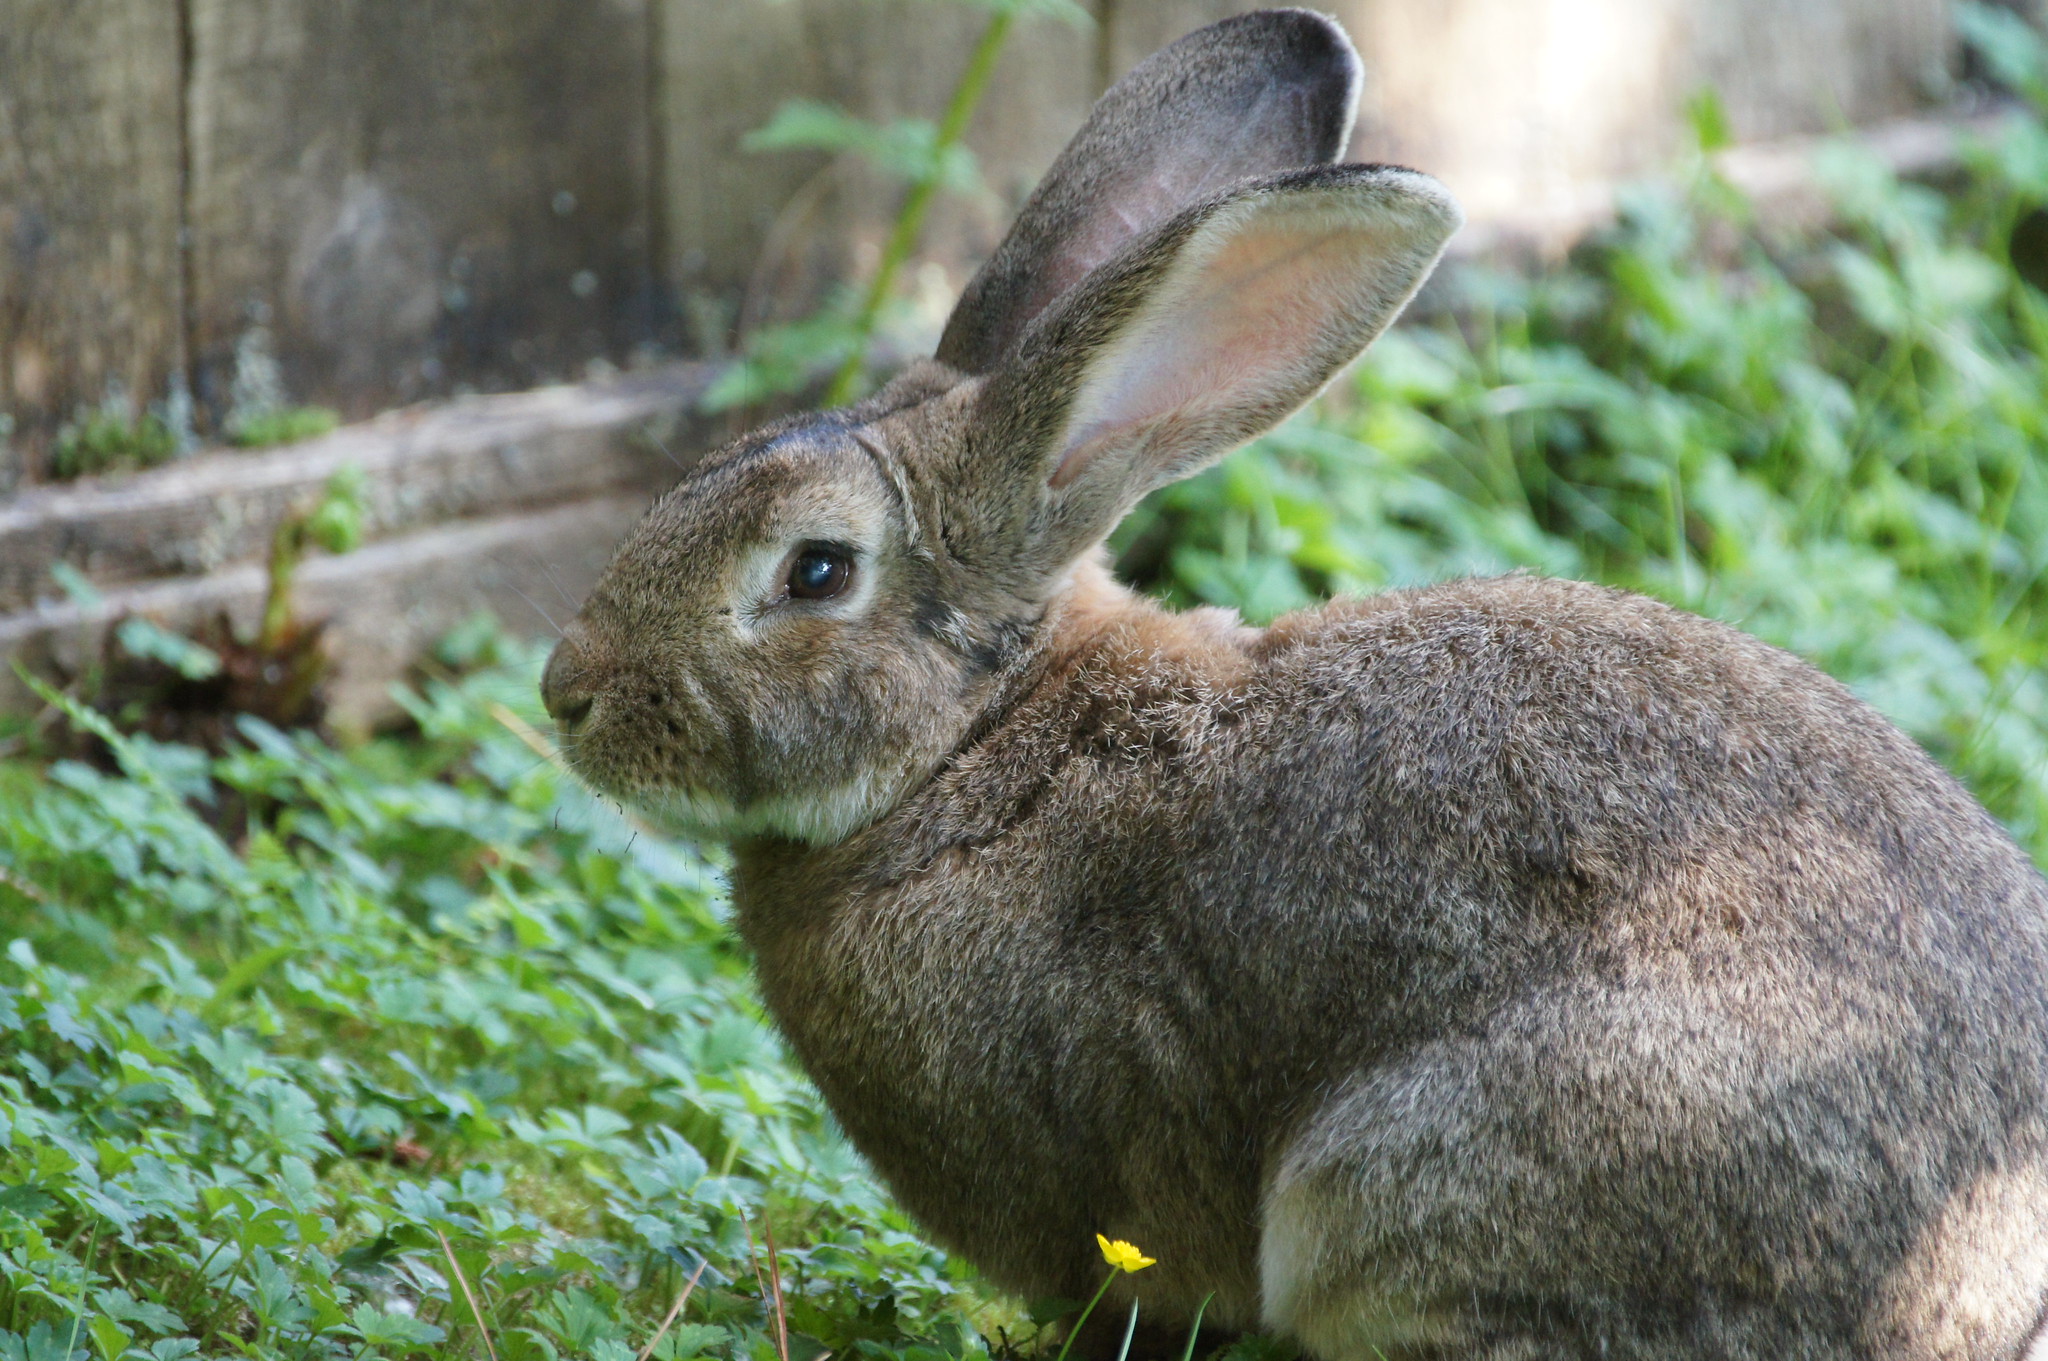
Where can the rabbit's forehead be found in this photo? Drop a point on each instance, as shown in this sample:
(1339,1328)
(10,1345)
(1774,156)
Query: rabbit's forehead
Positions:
(724,532)
(768,490)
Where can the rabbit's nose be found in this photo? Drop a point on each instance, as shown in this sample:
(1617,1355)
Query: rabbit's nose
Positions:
(565,687)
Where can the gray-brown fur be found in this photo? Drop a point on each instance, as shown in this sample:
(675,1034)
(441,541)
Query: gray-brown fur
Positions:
(1511,968)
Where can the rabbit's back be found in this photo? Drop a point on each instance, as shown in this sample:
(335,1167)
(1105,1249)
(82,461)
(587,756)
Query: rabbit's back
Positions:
(1516,952)
(1614,773)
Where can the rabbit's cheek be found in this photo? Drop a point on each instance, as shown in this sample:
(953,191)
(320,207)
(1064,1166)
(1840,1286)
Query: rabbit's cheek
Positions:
(639,736)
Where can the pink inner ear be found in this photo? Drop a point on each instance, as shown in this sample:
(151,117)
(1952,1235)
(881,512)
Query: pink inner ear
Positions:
(1134,204)
(1232,335)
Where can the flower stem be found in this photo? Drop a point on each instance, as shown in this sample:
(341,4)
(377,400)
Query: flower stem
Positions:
(1075,1331)
(287,546)
(910,221)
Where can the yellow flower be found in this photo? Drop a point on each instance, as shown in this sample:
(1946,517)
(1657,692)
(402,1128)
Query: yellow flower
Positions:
(1122,1255)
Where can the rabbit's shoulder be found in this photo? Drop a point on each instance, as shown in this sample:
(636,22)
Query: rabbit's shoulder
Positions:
(1489,702)
(1542,636)
(1540,670)
(1522,730)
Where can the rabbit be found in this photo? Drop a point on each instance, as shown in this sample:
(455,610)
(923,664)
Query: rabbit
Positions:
(1510,968)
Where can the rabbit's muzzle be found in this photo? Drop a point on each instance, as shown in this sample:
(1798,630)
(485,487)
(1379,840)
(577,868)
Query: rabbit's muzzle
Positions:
(566,687)
(626,726)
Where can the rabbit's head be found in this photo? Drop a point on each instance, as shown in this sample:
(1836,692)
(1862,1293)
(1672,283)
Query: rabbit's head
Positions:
(802,630)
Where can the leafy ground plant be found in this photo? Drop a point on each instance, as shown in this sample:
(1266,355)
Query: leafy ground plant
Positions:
(109,440)
(189,687)
(418,1053)
(286,425)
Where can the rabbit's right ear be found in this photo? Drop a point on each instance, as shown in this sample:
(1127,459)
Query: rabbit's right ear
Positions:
(1193,339)
(1248,98)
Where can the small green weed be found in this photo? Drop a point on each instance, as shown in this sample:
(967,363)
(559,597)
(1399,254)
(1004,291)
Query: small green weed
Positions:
(189,687)
(285,425)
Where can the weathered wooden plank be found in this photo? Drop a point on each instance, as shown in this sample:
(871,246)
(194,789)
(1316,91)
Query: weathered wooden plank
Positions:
(89,261)
(783,226)
(387,603)
(475,456)
(1784,176)
(409,199)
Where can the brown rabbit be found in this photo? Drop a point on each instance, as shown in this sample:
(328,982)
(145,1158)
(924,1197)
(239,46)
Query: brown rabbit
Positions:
(1512,968)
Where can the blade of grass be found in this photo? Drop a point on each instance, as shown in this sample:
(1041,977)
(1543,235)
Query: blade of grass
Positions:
(462,1279)
(84,1279)
(1123,1353)
(768,1295)
(674,1311)
(1195,1328)
(775,1280)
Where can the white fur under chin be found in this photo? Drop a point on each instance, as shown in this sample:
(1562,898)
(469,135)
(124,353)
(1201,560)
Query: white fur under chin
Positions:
(820,818)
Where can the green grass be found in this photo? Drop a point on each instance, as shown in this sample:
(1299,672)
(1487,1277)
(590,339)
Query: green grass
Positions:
(307,1047)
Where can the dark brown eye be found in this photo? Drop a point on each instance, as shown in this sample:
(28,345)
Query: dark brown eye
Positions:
(819,574)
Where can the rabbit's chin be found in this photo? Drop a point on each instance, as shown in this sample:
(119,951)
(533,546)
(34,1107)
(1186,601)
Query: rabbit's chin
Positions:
(818,817)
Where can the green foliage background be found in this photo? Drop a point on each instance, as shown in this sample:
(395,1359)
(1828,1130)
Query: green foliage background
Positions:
(1839,445)
(412,1049)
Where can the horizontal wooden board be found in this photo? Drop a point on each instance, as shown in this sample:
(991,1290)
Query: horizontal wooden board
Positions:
(387,603)
(470,457)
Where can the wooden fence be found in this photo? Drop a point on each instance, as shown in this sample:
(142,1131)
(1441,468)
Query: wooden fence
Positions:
(384,200)
(360,203)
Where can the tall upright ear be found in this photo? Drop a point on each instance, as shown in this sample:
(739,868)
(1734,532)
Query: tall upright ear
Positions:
(1207,332)
(1242,99)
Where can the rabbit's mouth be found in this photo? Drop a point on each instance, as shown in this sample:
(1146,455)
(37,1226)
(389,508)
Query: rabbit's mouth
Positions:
(657,760)
(665,748)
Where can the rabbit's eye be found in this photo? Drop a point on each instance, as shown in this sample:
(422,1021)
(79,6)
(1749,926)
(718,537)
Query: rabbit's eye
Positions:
(819,574)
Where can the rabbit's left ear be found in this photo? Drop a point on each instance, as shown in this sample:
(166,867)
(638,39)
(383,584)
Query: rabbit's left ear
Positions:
(1208,331)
